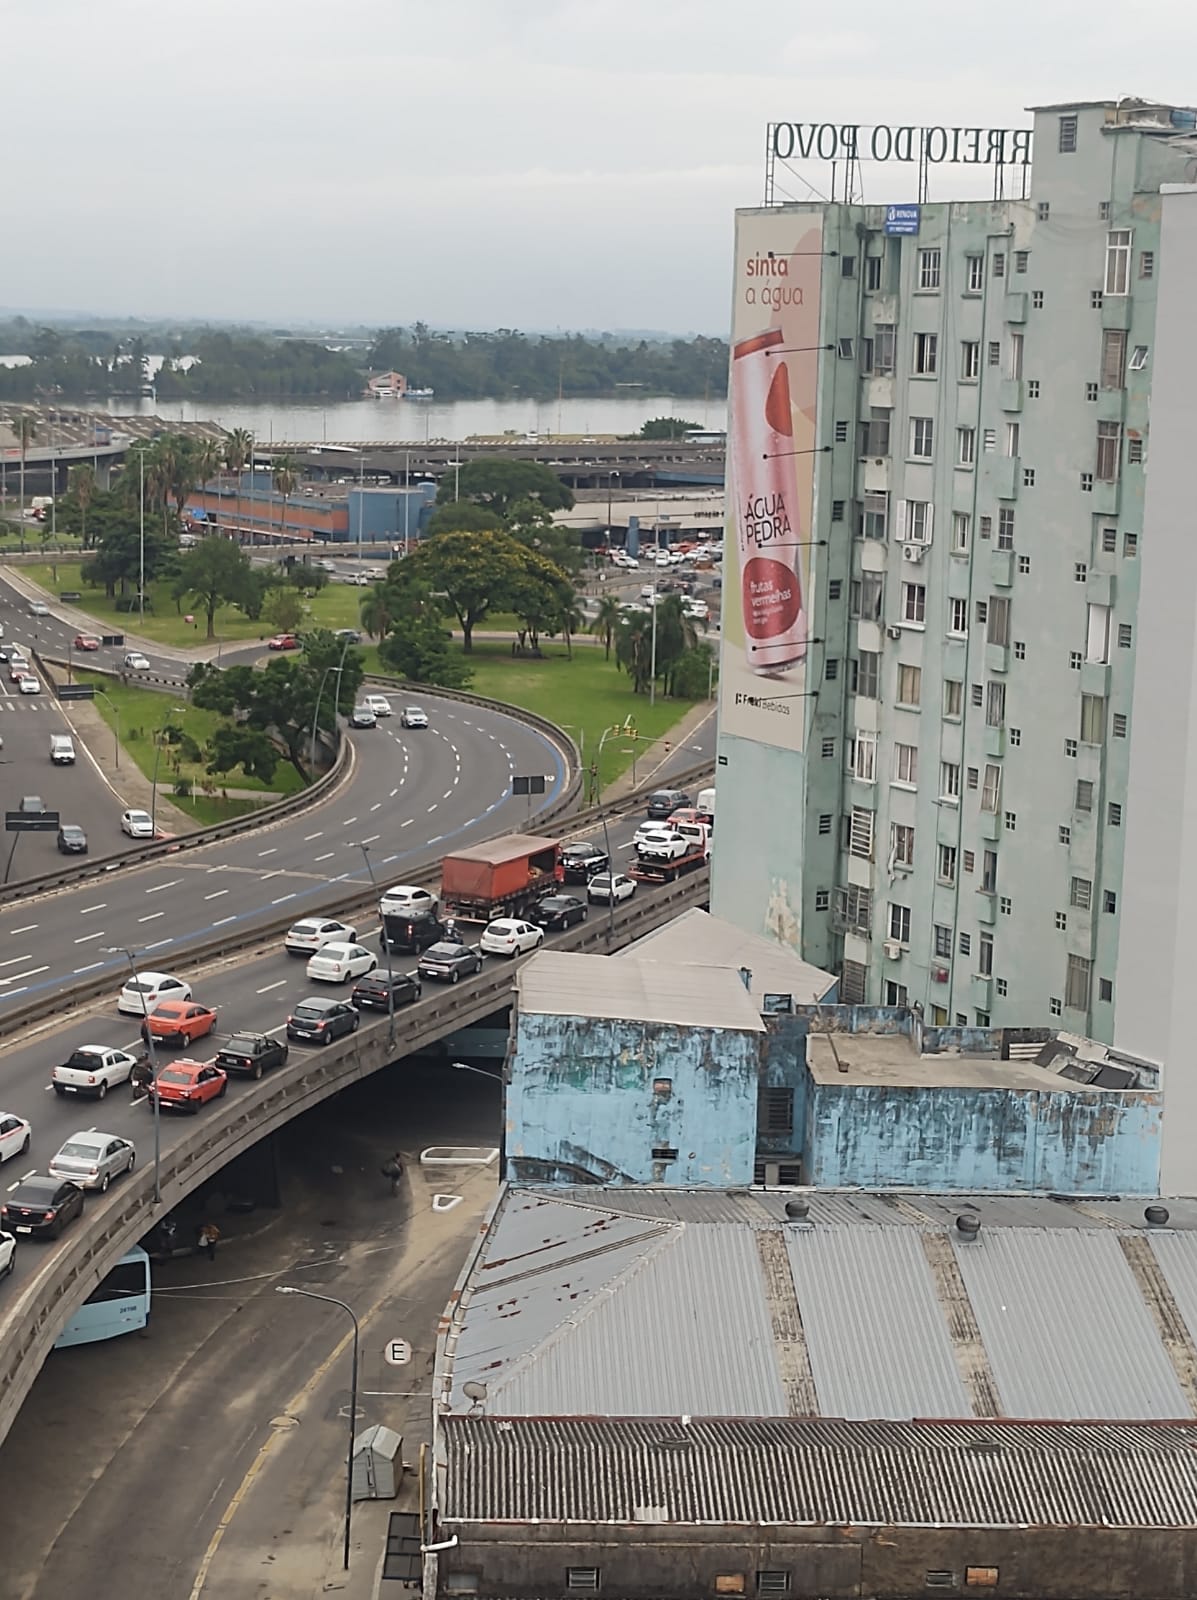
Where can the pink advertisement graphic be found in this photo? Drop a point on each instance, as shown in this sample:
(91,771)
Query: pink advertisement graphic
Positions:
(770,494)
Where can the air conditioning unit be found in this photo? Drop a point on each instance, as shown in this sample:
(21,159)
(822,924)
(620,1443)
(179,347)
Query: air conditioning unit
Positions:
(893,633)
(892,948)
(913,552)
(939,974)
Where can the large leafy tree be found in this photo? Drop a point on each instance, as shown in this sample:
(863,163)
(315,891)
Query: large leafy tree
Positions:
(463,516)
(471,570)
(541,596)
(116,558)
(633,648)
(499,483)
(214,573)
(418,646)
(235,744)
(283,609)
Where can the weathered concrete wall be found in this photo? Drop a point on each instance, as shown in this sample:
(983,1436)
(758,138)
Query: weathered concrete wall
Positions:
(784,1067)
(1069,1142)
(593,1099)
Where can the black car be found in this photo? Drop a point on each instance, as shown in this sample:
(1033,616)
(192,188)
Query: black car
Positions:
(319,1021)
(72,841)
(558,911)
(664,802)
(580,862)
(41,1206)
(5,653)
(450,962)
(251,1054)
(412,934)
(378,992)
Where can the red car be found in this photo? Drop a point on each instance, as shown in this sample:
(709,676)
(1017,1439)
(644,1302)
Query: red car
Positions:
(85,641)
(178,1022)
(187,1085)
(283,641)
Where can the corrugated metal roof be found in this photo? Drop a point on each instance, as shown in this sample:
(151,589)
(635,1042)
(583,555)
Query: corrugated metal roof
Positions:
(1003,1211)
(845,1206)
(875,1331)
(680,1205)
(1176,1254)
(1182,1213)
(685,1329)
(697,937)
(561,984)
(1065,1326)
(814,1473)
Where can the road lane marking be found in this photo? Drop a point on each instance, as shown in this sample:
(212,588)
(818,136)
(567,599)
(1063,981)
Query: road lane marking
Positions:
(348,821)
(172,884)
(446,794)
(84,910)
(16,960)
(281,984)
(17,976)
(327,856)
(273,851)
(221,922)
(434,805)
(157,944)
(84,939)
(283,898)
(407,823)
(394,792)
(372,838)
(308,837)
(216,894)
(90,968)
(377,806)
(153,916)
(28,928)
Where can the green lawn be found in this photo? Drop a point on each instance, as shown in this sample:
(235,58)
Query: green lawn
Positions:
(336,606)
(141,712)
(584,696)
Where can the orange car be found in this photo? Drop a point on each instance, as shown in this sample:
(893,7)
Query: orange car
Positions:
(178,1022)
(187,1085)
(86,641)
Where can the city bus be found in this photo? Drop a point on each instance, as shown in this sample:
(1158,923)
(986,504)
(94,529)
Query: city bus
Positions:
(119,1304)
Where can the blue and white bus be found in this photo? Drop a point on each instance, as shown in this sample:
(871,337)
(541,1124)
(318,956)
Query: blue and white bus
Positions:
(119,1304)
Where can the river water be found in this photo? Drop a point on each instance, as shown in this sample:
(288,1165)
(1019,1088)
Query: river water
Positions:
(420,421)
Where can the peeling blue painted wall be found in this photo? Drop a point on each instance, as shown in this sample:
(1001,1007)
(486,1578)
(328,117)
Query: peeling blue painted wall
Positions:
(1067,1142)
(582,1102)
(785,1068)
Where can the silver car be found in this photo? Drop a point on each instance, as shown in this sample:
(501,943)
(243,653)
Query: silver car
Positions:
(92,1160)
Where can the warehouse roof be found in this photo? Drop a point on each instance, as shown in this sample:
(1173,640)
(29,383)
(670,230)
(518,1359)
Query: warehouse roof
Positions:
(788,1472)
(696,936)
(651,1302)
(561,984)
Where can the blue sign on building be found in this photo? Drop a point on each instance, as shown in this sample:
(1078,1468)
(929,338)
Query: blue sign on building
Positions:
(902,219)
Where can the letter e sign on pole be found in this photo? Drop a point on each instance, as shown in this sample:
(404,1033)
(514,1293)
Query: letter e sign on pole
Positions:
(396,1352)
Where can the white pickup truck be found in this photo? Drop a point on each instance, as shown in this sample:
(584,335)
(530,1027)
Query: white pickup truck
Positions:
(62,749)
(92,1070)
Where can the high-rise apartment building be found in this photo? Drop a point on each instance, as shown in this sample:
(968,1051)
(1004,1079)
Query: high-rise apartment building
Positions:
(972,794)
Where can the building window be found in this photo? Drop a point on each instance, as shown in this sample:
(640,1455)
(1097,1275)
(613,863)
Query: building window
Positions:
(995,353)
(1021,260)
(1037,299)
(1130,544)
(871,587)
(1114,815)
(922,437)
(866,355)
(1076,983)
(926,353)
(583,1579)
(914,602)
(960,522)
(1146,263)
(841,432)
(1028,477)
(1113,358)
(973,777)
(1083,800)
(822,899)
(846,349)
(884,348)
(899,922)
(1070,748)
(1015,734)
(918,521)
(1014,360)
(1134,451)
(1095,300)
(970,360)
(847,266)
(860,833)
(1103,210)
(989,871)
(835,588)
(837,511)
(991,790)
(999,621)
(831,669)
(1138,358)
(865,756)
(1109,541)
(1055,1006)
(974,274)
(901,841)
(1086,483)
(1091,391)
(910,685)
(1067,135)
(1013,438)
(999,263)
(978,694)
(966,944)
(985,955)
(664,1152)
(953,697)
(1032,388)
(989,441)
(1005,532)
(1109,448)
(1093,719)
(868,673)
(949,780)
(986,527)
(1109,901)
(929,268)
(1118,252)
(1118,725)
(958,617)
(1082,894)
(853,983)
(872,274)
(874,434)
(943,942)
(970,861)
(966,446)
(995,703)
(1075,660)
(854,907)
(825,822)
(1105,989)
(906,765)
(895,994)
(1043,211)
(947,863)
(1125,634)
(775,1581)
(1064,835)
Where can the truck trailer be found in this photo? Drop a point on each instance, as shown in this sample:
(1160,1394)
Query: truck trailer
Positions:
(502,878)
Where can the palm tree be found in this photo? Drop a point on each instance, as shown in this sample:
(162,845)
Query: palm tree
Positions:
(285,477)
(633,648)
(676,634)
(82,483)
(377,610)
(572,621)
(606,621)
(238,451)
(25,428)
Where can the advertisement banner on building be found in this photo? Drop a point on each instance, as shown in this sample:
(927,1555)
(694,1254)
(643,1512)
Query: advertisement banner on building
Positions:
(772,399)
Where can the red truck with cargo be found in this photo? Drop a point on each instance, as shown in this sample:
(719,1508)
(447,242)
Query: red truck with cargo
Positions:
(502,878)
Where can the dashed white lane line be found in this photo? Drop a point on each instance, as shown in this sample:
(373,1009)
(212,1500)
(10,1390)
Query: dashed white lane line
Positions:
(327,856)
(371,838)
(434,805)
(16,960)
(446,794)
(283,898)
(153,916)
(377,806)
(92,968)
(159,886)
(273,851)
(216,894)
(394,792)
(157,945)
(281,984)
(308,837)
(85,938)
(407,822)
(28,928)
(348,822)
(222,920)
(31,973)
(85,910)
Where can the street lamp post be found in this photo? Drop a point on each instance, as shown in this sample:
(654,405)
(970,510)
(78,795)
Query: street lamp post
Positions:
(175,711)
(386,945)
(286,1288)
(116,732)
(338,669)
(141,538)
(120,950)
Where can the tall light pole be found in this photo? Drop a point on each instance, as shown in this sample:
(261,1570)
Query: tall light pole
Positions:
(386,946)
(141,538)
(338,669)
(116,732)
(120,950)
(286,1288)
(652,680)
(175,711)
(406,498)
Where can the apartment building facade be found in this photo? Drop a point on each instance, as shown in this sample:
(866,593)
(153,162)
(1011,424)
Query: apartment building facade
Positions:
(946,820)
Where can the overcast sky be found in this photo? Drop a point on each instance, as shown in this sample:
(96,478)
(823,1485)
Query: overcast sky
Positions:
(484,163)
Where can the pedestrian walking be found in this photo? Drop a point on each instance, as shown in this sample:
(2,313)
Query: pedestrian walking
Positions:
(209,1234)
(394,1171)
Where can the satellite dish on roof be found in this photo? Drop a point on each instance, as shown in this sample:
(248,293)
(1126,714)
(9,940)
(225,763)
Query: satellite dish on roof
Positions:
(475,1393)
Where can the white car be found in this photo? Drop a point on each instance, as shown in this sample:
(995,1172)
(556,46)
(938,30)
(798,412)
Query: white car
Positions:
(413,717)
(607,886)
(698,610)
(38,608)
(508,937)
(137,824)
(136,662)
(147,990)
(28,684)
(405,900)
(8,1253)
(379,704)
(93,1159)
(661,844)
(91,1070)
(647,590)
(662,558)
(338,962)
(15,1134)
(310,934)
